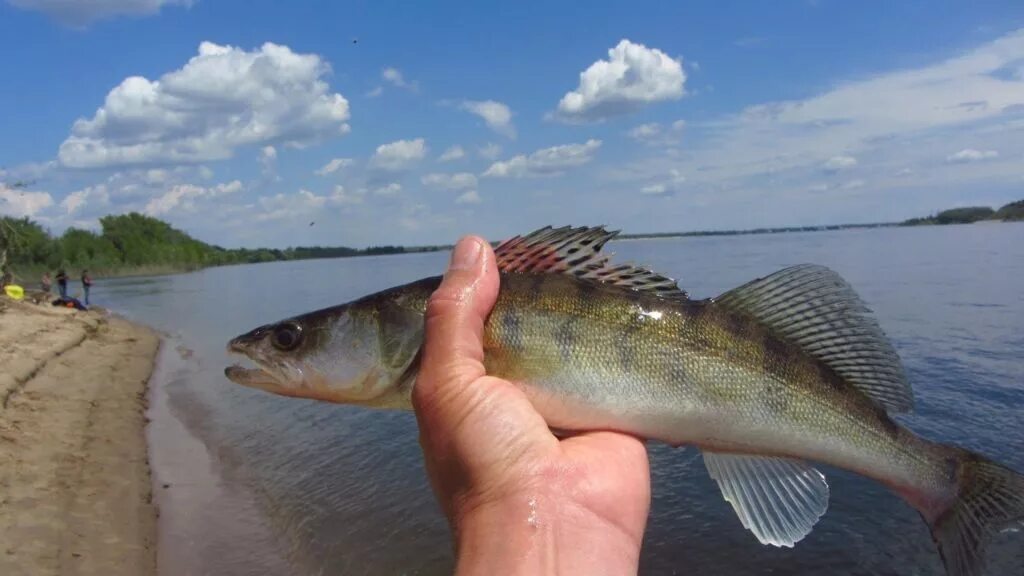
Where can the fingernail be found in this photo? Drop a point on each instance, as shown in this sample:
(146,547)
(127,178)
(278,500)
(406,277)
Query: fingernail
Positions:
(465,255)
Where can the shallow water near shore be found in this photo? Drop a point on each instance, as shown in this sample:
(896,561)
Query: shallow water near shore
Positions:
(261,484)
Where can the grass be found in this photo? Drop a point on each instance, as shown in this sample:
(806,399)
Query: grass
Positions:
(31,276)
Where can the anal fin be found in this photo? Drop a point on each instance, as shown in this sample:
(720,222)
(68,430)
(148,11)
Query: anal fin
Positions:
(778,499)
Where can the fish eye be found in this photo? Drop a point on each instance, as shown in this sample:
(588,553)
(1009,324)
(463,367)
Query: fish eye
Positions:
(286,336)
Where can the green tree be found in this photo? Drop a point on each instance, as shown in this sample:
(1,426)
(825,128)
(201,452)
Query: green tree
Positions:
(24,242)
(964,215)
(1014,211)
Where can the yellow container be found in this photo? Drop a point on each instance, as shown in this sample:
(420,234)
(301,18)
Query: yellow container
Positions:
(15,291)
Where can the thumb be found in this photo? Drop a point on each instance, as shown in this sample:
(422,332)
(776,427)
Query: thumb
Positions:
(453,334)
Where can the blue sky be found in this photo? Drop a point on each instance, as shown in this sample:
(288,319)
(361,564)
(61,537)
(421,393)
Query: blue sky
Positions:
(244,122)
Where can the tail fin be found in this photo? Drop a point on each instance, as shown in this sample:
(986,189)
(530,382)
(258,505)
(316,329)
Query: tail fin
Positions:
(989,498)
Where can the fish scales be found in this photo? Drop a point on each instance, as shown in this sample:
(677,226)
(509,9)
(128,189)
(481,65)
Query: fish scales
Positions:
(709,361)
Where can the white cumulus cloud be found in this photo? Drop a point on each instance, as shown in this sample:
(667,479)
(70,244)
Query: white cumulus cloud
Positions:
(399,155)
(333,166)
(454,153)
(304,203)
(667,186)
(98,195)
(395,78)
(545,162)
(222,99)
(468,197)
(388,190)
(654,134)
(84,12)
(19,203)
(155,176)
(633,76)
(160,189)
(839,163)
(459,181)
(286,206)
(496,115)
(268,160)
(490,151)
(340,197)
(184,196)
(972,155)
(645,131)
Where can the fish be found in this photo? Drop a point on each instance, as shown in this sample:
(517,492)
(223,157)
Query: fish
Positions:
(767,380)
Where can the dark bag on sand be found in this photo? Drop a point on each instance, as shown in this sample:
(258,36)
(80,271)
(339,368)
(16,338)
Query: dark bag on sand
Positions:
(69,302)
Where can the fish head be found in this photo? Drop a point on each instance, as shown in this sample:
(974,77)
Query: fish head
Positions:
(357,353)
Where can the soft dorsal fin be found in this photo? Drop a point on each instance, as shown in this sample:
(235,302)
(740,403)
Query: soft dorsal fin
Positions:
(577,251)
(778,499)
(815,308)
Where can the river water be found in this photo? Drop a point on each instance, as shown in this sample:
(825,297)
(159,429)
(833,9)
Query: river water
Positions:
(249,483)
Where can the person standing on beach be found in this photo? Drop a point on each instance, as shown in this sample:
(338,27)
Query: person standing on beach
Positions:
(86,284)
(46,284)
(62,283)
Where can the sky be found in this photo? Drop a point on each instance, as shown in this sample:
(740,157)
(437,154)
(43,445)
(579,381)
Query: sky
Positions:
(260,123)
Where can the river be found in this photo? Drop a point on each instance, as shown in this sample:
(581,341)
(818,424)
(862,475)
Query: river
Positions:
(249,483)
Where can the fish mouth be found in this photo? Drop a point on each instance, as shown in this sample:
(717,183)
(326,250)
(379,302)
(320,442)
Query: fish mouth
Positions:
(270,374)
(252,377)
(258,377)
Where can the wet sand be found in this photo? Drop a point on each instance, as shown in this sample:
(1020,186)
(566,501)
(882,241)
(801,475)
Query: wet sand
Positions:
(75,490)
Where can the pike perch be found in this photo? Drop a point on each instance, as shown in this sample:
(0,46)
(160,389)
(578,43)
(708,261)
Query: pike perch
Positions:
(782,371)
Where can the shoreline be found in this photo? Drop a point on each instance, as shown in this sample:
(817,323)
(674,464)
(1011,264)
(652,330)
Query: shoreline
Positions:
(205,511)
(76,493)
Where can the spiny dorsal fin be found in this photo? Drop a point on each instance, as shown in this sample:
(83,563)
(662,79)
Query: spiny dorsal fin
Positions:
(778,499)
(577,251)
(814,307)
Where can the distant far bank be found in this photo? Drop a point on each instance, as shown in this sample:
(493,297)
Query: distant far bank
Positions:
(138,245)
(1012,212)
(780,230)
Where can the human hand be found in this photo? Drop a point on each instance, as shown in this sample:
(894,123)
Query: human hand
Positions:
(519,500)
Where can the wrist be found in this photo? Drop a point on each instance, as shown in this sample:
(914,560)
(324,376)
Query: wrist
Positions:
(543,535)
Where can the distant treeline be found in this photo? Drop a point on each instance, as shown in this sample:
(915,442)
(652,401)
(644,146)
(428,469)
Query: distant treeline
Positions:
(753,231)
(133,242)
(1012,212)
(246,255)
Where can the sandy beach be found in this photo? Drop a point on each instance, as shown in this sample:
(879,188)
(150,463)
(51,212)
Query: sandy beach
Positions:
(75,491)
